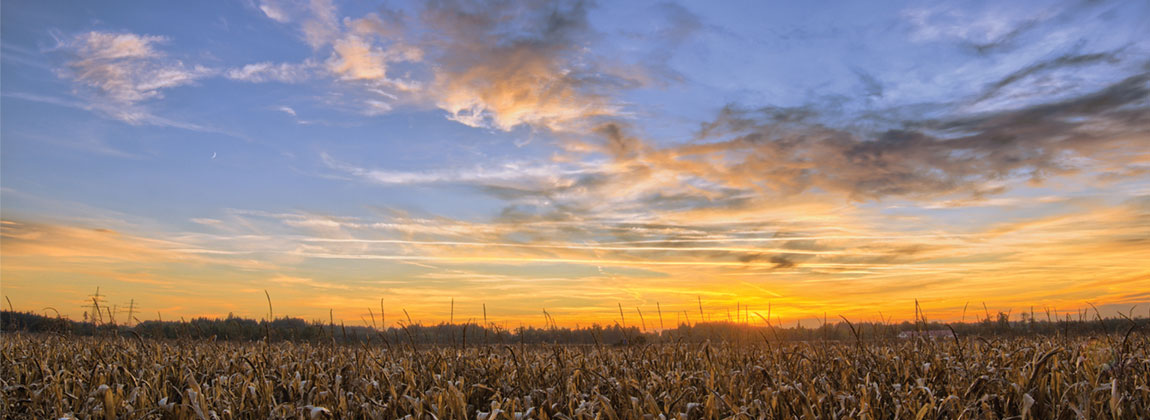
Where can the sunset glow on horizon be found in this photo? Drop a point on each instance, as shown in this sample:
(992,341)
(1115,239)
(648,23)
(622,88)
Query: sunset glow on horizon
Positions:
(460,159)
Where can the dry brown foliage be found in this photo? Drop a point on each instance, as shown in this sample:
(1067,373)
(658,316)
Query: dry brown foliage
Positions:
(45,376)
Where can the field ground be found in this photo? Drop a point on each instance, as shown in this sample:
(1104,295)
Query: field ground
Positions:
(52,376)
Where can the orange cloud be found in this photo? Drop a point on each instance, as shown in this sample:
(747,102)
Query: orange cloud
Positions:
(579,269)
(68,243)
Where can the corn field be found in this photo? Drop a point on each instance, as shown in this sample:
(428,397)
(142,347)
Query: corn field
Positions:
(51,376)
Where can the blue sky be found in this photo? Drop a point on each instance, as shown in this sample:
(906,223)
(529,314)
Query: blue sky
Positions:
(424,151)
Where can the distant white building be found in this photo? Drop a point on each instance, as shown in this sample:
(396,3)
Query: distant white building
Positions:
(932,334)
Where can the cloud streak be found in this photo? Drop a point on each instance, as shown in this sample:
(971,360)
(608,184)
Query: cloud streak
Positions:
(273,72)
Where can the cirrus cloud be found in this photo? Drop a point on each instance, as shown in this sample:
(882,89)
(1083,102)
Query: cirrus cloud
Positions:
(125,69)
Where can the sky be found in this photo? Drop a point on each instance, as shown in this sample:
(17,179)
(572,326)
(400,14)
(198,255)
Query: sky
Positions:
(447,158)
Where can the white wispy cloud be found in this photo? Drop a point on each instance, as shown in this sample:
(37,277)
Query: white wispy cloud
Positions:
(273,72)
(322,23)
(119,73)
(274,11)
(126,68)
(318,18)
(518,173)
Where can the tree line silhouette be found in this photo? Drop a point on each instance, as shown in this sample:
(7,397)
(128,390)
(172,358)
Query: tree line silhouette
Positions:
(467,334)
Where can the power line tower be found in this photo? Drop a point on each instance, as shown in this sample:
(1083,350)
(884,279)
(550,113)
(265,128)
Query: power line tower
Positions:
(131,311)
(93,314)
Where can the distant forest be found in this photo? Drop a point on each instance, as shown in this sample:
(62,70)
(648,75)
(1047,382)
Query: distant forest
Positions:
(469,334)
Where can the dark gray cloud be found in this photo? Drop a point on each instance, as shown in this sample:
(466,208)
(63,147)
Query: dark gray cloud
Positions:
(872,87)
(744,158)
(789,151)
(1006,42)
(779,261)
(1061,62)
